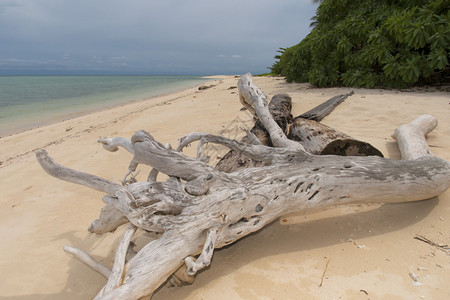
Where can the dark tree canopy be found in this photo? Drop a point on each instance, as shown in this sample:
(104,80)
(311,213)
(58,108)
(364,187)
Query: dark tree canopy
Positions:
(372,43)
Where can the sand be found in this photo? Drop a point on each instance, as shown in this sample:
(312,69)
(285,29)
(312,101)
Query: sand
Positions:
(366,251)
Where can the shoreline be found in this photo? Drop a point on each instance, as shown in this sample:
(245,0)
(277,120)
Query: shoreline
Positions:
(66,124)
(101,107)
(368,247)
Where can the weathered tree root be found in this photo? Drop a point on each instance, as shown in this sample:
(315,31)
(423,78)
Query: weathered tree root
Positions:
(88,260)
(201,208)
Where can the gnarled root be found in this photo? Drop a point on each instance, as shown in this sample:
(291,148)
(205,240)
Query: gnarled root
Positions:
(193,266)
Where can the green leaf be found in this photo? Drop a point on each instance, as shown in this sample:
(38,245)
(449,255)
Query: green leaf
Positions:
(365,43)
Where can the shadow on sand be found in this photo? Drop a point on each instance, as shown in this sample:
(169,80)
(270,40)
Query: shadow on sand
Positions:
(298,237)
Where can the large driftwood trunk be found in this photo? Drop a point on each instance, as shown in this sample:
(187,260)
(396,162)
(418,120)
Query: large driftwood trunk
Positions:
(200,208)
(315,137)
(323,140)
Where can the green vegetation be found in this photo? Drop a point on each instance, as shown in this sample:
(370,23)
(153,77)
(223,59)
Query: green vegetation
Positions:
(264,74)
(371,43)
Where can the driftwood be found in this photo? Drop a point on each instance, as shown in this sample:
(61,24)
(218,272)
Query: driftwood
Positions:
(315,137)
(200,208)
(280,108)
(321,111)
(320,139)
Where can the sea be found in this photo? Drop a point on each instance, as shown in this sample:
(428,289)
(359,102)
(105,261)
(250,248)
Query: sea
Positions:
(29,101)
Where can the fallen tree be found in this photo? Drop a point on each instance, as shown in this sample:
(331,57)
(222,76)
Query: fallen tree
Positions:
(200,208)
(315,137)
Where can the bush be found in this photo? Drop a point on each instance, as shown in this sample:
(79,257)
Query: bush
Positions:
(372,43)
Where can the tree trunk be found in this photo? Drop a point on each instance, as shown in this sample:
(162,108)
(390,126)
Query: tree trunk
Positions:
(315,137)
(212,209)
(321,111)
(320,139)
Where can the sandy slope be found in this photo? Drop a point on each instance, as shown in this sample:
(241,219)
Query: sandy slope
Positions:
(370,250)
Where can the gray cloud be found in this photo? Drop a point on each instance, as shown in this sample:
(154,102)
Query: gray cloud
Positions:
(159,37)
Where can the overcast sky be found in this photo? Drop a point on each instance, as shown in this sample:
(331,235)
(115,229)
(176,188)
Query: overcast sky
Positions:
(198,37)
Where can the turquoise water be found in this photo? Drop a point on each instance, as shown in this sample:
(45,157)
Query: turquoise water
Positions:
(26,101)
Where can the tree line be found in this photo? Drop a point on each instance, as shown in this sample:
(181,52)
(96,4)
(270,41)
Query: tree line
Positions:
(372,43)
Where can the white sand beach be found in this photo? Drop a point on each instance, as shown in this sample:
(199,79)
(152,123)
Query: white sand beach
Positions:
(362,251)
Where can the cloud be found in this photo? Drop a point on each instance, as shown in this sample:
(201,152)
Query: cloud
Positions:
(149,36)
(96,59)
(119,58)
(233,56)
